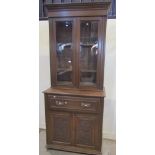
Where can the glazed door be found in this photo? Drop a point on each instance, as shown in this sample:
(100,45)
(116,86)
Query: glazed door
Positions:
(76,47)
(62,51)
(89,52)
(60,128)
(86,130)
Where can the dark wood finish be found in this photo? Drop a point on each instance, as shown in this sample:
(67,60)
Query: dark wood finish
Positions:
(67,103)
(76,10)
(99,20)
(43,12)
(61,128)
(76,53)
(74,122)
(77,13)
(86,131)
(100,5)
(53,61)
(102,46)
(74,103)
(74,149)
(75,92)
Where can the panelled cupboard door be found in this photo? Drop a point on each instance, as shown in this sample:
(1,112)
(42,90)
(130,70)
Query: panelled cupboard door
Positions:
(60,128)
(86,131)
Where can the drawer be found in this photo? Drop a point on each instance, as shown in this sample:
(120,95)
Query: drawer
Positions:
(73,103)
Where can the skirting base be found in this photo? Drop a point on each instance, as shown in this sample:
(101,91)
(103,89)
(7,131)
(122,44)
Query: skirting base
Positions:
(73,149)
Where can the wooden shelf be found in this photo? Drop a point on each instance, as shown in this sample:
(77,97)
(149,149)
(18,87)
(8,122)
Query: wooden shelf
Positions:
(63,71)
(88,70)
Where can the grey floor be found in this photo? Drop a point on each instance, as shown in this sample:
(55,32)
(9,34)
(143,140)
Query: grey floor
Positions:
(108,148)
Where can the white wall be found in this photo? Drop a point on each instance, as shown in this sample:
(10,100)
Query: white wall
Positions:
(109,128)
(109,125)
(44,68)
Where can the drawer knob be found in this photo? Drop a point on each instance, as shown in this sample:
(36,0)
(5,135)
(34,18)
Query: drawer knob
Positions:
(86,105)
(59,103)
(65,102)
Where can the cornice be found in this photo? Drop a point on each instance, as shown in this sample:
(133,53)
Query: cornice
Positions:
(78,6)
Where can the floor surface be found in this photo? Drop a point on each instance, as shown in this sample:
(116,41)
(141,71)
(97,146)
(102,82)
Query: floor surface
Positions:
(108,148)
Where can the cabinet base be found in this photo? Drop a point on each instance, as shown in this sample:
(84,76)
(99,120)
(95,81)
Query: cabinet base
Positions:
(73,149)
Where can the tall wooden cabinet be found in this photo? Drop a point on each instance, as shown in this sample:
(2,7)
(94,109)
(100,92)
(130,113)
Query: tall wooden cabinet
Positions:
(74,103)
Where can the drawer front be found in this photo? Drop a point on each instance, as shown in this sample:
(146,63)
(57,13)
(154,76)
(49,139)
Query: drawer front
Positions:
(73,103)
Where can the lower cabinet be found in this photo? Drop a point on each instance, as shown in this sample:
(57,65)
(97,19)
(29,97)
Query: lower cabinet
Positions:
(67,128)
(74,124)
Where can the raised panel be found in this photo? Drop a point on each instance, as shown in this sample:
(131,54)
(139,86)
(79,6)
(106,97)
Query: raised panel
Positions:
(60,127)
(86,130)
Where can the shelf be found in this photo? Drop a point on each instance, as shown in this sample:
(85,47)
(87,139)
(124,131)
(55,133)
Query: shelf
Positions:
(88,70)
(60,45)
(63,71)
(69,70)
(87,84)
(87,44)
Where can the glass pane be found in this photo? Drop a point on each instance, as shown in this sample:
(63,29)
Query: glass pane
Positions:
(88,52)
(64,51)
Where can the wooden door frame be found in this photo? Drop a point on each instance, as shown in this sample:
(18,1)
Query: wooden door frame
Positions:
(53,60)
(98,70)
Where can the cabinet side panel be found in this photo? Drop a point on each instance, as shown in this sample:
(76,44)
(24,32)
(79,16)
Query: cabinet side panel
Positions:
(101,123)
(52,51)
(103,40)
(48,129)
